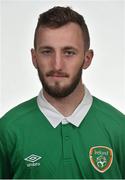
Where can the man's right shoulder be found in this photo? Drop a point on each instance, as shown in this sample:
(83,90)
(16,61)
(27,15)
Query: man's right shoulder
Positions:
(19,111)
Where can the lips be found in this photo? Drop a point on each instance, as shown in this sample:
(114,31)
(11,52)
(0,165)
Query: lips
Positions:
(59,74)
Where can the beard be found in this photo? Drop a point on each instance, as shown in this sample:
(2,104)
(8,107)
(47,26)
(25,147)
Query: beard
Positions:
(57,91)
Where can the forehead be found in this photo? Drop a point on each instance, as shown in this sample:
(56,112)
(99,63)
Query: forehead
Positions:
(67,35)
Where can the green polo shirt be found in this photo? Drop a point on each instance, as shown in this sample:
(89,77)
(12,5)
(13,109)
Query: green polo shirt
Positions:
(31,148)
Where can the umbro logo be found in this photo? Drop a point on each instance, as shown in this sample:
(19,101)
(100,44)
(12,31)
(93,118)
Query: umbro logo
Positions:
(33,160)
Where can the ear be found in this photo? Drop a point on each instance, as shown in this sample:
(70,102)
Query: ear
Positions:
(88,58)
(34,59)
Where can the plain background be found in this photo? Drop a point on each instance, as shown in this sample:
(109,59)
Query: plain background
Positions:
(106,22)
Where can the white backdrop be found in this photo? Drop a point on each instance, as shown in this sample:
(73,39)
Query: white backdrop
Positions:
(105,78)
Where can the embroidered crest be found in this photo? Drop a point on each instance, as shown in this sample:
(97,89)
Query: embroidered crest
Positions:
(101,158)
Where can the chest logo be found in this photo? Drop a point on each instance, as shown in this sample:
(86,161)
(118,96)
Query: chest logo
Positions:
(101,158)
(33,160)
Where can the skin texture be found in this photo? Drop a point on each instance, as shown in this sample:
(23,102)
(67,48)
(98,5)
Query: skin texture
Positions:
(59,58)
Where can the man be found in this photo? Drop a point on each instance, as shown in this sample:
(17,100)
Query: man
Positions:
(64,132)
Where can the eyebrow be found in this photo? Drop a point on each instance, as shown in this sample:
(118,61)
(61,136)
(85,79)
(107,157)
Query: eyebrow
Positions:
(63,48)
(45,47)
(70,48)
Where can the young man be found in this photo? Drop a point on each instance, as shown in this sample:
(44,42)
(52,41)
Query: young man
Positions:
(65,132)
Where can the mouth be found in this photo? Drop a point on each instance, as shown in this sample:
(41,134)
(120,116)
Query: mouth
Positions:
(57,75)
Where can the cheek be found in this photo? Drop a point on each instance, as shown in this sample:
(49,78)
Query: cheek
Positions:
(42,65)
(74,68)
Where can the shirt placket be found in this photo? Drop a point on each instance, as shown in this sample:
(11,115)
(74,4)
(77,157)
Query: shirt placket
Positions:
(67,150)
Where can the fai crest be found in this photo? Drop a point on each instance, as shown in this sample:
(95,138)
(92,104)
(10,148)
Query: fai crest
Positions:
(101,158)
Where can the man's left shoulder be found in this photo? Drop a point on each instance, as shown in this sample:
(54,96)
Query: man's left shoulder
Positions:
(107,110)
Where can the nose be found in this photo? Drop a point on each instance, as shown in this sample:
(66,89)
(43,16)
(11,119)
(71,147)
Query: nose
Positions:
(58,61)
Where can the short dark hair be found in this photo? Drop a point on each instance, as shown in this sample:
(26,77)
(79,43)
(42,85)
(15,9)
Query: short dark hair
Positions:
(59,16)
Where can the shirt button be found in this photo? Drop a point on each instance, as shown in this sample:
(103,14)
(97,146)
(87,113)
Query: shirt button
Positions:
(66,138)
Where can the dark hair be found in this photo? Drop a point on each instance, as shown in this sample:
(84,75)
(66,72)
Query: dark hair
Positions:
(59,16)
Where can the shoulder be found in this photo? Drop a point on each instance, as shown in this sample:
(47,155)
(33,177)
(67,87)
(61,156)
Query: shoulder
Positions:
(105,107)
(18,112)
(107,112)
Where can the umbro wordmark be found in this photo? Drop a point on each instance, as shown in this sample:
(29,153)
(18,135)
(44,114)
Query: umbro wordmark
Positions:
(32,160)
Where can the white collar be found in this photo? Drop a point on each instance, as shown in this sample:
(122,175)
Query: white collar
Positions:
(55,117)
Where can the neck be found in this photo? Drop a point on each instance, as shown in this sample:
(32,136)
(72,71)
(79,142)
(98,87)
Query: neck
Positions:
(68,104)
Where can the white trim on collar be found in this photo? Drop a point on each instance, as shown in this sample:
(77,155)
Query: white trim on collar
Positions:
(55,117)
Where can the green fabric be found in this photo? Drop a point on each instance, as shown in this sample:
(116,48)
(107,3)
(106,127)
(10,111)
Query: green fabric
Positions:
(62,152)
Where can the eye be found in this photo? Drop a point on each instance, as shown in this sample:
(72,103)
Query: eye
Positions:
(69,53)
(46,52)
